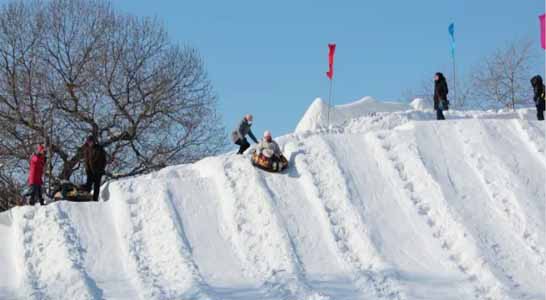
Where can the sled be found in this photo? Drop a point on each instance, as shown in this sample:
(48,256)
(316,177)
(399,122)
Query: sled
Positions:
(269,164)
(71,192)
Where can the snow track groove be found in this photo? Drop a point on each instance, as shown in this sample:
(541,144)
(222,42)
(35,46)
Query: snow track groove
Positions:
(346,225)
(52,256)
(157,250)
(459,246)
(495,178)
(263,242)
(533,135)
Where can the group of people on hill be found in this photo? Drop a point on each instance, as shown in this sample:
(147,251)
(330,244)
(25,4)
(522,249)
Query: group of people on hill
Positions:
(441,90)
(94,158)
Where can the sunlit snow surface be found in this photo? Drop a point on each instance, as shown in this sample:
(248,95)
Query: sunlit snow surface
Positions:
(386,203)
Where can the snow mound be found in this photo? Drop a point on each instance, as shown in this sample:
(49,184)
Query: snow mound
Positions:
(383,207)
(369,114)
(317,115)
(420,104)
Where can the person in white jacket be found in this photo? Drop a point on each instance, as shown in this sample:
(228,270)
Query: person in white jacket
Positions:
(268,147)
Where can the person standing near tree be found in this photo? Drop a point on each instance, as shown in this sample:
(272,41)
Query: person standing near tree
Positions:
(538,89)
(440,95)
(241,131)
(35,175)
(95,165)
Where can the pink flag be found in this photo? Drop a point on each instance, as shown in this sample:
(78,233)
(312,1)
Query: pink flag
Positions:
(542,31)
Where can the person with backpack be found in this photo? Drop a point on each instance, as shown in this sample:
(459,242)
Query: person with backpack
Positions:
(538,89)
(241,131)
(35,175)
(440,95)
(95,165)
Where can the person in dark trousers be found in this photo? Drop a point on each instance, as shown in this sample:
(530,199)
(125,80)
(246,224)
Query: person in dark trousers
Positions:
(35,175)
(239,134)
(538,88)
(440,95)
(95,165)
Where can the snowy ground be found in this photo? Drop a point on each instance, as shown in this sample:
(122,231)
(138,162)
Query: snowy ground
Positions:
(388,204)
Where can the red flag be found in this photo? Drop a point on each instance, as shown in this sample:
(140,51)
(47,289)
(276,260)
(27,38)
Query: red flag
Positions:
(331,52)
(542,32)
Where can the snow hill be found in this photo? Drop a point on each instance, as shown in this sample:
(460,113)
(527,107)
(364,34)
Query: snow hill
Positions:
(387,204)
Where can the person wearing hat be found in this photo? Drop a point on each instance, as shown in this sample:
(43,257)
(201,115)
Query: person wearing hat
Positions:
(35,175)
(539,97)
(95,165)
(269,145)
(440,95)
(241,131)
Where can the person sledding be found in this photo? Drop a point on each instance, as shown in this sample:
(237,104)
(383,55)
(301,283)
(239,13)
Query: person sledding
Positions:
(268,155)
(239,134)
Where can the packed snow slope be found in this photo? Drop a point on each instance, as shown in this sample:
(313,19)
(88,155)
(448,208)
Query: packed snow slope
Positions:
(387,204)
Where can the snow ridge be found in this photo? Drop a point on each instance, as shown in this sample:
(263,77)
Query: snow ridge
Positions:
(346,225)
(61,276)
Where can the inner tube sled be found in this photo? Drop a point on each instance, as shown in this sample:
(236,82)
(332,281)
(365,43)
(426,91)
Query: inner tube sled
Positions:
(268,162)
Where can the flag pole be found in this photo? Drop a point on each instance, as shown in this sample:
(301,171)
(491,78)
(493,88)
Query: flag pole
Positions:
(330,102)
(454,79)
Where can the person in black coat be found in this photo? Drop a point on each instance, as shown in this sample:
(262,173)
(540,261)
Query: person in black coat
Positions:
(95,165)
(538,88)
(440,95)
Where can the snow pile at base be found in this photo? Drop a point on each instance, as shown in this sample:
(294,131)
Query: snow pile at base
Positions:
(383,207)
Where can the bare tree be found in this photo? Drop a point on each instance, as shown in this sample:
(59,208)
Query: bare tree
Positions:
(72,68)
(502,79)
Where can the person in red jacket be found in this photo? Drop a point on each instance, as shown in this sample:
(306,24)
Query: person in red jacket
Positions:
(36,173)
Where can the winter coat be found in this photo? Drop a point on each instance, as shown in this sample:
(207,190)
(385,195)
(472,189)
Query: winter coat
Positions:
(95,159)
(36,172)
(242,130)
(440,92)
(538,88)
(272,145)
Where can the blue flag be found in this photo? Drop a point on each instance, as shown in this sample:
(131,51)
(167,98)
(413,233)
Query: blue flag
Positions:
(451,30)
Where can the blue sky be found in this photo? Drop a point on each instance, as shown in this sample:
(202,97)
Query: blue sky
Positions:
(270,57)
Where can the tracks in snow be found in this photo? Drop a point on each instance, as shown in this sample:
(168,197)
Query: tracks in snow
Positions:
(157,250)
(500,188)
(259,237)
(452,236)
(51,256)
(346,225)
(533,135)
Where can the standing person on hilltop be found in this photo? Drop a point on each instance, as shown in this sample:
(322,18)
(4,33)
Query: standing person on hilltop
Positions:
(95,165)
(440,95)
(538,88)
(35,175)
(241,131)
